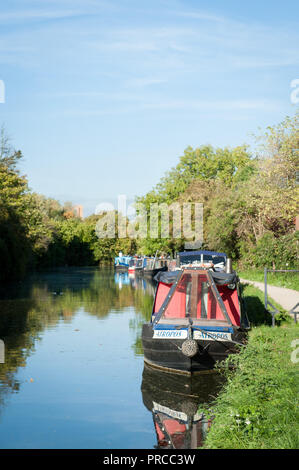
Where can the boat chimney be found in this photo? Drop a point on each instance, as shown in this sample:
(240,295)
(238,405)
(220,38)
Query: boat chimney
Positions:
(228,266)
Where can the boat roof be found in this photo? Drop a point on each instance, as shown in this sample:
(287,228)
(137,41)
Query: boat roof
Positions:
(202,252)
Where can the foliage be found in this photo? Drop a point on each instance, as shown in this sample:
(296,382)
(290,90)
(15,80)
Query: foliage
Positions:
(272,252)
(205,164)
(249,203)
(36,231)
(14,245)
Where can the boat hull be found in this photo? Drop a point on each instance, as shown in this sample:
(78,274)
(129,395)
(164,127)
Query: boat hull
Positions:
(166,353)
(152,272)
(121,267)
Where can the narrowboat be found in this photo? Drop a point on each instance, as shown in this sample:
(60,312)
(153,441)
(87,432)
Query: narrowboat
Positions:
(136,264)
(121,262)
(132,263)
(198,319)
(154,266)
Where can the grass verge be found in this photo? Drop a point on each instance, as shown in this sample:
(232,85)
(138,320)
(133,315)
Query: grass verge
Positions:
(255,307)
(258,406)
(288,280)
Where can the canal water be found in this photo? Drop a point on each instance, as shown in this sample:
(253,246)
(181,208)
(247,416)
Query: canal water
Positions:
(73,375)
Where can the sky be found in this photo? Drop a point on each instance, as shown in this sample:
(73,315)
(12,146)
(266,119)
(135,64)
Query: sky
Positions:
(102,97)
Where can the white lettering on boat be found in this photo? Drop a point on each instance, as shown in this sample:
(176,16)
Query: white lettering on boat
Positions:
(212,335)
(170,334)
(168,411)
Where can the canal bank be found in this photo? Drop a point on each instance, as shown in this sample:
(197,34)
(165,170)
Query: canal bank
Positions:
(257,408)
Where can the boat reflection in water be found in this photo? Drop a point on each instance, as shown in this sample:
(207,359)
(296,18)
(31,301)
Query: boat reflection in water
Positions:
(147,285)
(174,401)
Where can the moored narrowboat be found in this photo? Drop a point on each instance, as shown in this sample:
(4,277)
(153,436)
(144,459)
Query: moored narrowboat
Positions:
(121,262)
(198,319)
(154,266)
(132,263)
(136,264)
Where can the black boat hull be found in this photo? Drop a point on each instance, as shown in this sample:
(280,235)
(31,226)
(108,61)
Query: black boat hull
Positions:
(120,267)
(167,353)
(152,272)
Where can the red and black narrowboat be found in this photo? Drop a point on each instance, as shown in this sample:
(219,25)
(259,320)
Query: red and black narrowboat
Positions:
(198,319)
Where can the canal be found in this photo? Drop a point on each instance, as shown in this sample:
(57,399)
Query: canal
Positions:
(73,374)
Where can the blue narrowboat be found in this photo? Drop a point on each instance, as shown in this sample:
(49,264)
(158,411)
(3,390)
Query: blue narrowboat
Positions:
(121,262)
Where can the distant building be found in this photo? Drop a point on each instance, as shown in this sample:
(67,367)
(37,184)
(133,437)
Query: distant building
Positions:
(78,211)
(74,211)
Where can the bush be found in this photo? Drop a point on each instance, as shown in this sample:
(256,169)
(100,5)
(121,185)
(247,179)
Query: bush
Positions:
(279,253)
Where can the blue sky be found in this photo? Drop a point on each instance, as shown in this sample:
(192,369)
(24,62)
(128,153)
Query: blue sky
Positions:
(103,97)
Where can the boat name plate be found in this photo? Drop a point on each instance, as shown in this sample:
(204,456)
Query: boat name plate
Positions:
(170,334)
(212,335)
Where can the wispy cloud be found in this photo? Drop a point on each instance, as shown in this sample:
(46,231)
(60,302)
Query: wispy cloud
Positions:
(106,84)
(54,9)
(214,105)
(199,15)
(110,58)
(177,44)
(27,15)
(224,107)
(145,82)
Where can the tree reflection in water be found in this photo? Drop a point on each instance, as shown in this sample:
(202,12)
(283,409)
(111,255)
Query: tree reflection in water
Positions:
(45,299)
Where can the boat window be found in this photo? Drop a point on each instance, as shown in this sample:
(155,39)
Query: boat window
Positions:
(204,300)
(190,258)
(150,263)
(188,298)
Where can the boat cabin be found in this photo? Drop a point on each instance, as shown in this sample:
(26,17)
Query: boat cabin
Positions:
(122,261)
(201,295)
(203,258)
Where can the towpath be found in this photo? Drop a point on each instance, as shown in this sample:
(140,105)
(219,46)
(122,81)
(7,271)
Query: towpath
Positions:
(287,298)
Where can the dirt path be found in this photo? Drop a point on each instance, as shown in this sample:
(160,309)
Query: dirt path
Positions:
(287,298)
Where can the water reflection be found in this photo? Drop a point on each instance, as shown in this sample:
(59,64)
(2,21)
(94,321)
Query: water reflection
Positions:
(173,401)
(144,291)
(45,300)
(136,281)
(77,333)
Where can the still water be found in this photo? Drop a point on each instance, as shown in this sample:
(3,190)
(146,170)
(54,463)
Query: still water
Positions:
(74,375)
